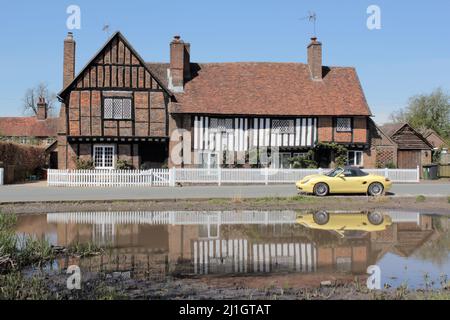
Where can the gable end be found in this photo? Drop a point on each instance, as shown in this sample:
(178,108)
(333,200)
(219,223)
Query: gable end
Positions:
(116,66)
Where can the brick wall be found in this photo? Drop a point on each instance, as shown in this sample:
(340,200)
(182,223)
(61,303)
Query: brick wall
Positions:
(380,156)
(182,122)
(325,129)
(327,132)
(360,130)
(382,149)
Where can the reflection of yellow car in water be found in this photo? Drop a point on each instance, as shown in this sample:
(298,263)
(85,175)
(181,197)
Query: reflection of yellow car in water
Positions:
(342,222)
(344,180)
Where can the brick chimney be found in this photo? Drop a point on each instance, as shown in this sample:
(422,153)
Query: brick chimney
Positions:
(180,64)
(41,109)
(69,59)
(315,59)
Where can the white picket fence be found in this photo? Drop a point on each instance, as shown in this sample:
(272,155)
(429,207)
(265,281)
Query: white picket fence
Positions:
(172,177)
(109,178)
(2,176)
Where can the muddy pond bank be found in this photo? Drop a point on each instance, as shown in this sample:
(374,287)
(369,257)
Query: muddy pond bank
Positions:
(121,287)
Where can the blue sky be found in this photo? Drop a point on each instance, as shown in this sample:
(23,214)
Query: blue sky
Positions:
(409,55)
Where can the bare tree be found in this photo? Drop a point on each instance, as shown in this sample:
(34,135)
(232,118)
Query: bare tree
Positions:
(31,99)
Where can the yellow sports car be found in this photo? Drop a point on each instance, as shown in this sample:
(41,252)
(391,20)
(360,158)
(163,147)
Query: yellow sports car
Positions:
(344,180)
(341,222)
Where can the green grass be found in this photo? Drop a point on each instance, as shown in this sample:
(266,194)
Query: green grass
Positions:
(421,199)
(284,200)
(85,250)
(303,199)
(14,286)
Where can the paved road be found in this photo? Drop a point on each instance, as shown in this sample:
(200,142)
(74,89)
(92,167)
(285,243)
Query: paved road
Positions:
(40,192)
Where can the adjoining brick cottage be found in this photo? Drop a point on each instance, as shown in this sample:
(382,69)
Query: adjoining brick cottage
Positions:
(120,107)
(38,130)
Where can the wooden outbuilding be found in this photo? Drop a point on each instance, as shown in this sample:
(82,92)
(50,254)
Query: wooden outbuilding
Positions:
(413,149)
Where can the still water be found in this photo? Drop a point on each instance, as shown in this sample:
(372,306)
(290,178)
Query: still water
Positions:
(411,249)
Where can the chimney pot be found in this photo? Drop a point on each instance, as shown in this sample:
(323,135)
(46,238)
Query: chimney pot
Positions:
(69,36)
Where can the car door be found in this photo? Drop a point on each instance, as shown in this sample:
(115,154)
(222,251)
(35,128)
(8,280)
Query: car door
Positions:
(338,184)
(353,182)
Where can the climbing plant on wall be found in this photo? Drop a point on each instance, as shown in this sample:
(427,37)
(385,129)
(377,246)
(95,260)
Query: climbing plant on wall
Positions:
(311,159)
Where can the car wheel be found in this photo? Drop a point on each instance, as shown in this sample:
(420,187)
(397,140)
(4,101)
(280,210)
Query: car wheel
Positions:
(321,189)
(376,189)
(321,218)
(375,218)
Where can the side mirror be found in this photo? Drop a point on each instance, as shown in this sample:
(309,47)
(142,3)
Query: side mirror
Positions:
(342,176)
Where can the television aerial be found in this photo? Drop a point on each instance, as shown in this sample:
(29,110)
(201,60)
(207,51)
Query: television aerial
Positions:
(312,17)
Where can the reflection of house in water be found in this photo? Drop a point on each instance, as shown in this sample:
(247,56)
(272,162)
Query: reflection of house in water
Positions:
(226,242)
(403,238)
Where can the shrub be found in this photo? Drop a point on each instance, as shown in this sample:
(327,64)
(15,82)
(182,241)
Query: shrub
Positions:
(340,152)
(82,164)
(123,165)
(388,165)
(312,158)
(304,162)
(21,161)
(391,165)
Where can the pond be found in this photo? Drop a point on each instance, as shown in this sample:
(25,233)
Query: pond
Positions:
(410,248)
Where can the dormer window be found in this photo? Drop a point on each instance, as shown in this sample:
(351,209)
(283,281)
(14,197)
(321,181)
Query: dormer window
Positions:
(344,125)
(117,109)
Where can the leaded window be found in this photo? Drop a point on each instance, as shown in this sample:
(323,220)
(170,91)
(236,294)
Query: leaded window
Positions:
(118,108)
(282,126)
(221,125)
(343,124)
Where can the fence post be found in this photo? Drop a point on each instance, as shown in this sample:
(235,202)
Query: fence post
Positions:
(418,174)
(320,171)
(172,177)
(386,172)
(1,176)
(266,172)
(219,176)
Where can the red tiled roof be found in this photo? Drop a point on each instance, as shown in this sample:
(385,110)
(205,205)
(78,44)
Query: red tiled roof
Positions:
(392,128)
(28,127)
(271,89)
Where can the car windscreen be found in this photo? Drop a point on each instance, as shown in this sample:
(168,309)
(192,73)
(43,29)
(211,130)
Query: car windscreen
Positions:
(334,172)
